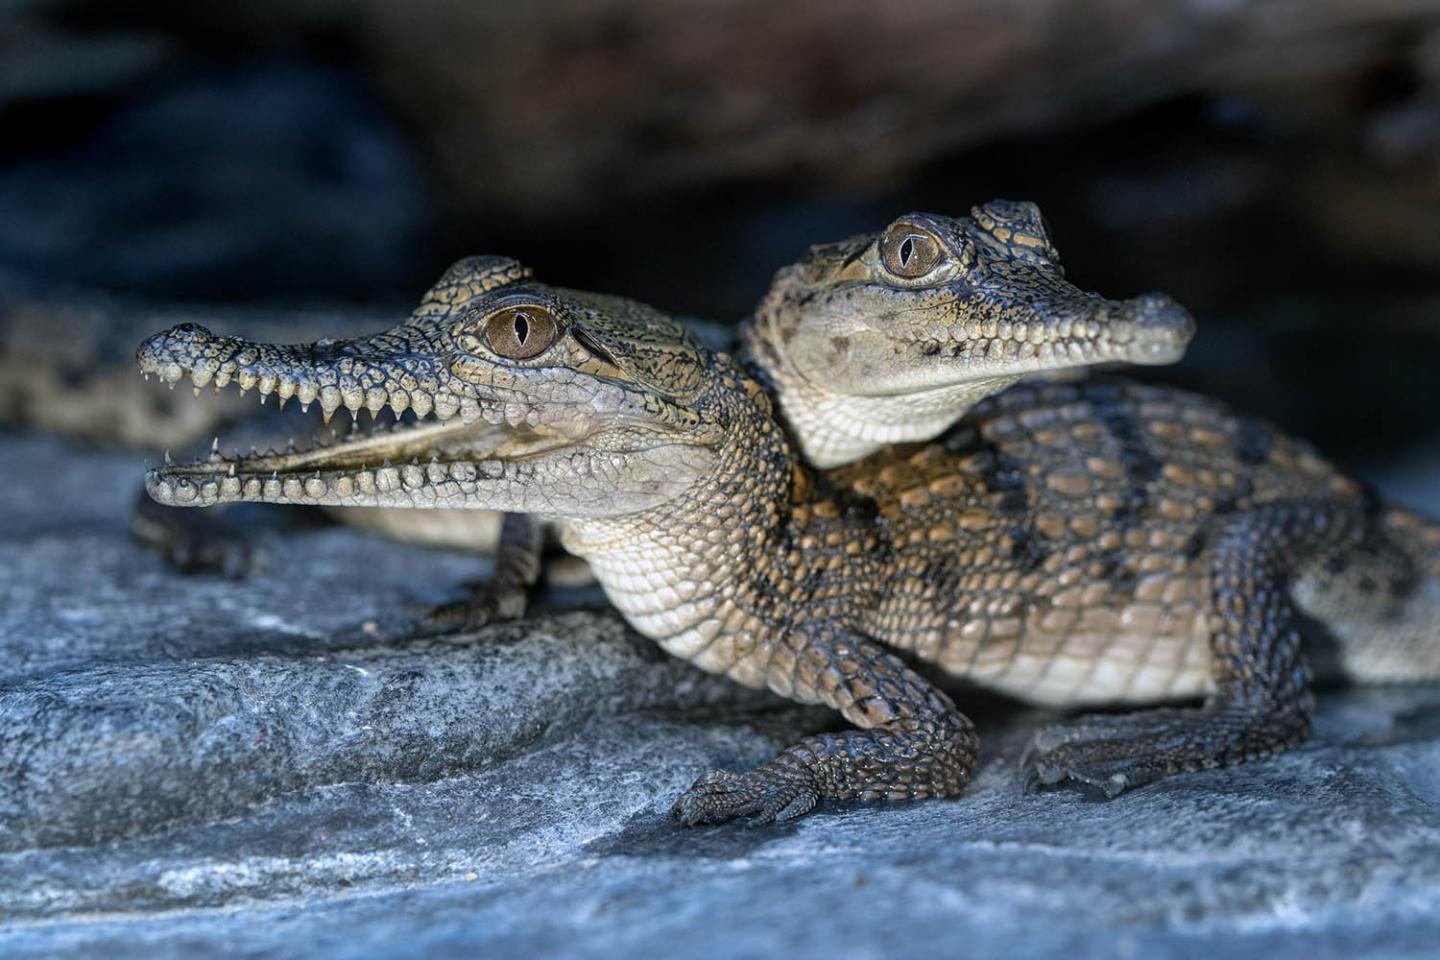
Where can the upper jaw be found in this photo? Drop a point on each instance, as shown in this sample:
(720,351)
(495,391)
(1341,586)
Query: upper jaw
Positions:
(887,358)
(371,373)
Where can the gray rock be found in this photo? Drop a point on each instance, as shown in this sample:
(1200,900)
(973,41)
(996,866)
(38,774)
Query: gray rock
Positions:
(275,767)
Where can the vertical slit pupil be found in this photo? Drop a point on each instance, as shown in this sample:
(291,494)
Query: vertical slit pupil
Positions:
(907,250)
(522,328)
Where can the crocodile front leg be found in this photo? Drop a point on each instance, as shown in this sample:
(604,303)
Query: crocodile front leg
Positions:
(913,742)
(507,593)
(1262,701)
(194,541)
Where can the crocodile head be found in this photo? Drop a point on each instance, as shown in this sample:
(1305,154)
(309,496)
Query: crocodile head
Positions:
(514,395)
(893,336)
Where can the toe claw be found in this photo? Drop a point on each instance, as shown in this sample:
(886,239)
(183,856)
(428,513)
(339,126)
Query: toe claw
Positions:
(761,795)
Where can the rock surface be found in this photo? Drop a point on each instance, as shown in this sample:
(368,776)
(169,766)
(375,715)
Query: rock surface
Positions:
(274,767)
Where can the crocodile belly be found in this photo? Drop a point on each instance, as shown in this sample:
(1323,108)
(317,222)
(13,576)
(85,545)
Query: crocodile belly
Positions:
(1150,646)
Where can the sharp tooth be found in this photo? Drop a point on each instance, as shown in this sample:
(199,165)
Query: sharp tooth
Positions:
(399,400)
(215,450)
(374,400)
(197,390)
(387,478)
(168,461)
(304,407)
(231,471)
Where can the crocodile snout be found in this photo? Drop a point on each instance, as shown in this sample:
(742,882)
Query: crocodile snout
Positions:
(162,352)
(1162,329)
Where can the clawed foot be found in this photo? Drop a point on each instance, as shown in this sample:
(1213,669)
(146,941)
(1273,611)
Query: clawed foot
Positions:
(1112,753)
(765,795)
(232,558)
(486,606)
(193,542)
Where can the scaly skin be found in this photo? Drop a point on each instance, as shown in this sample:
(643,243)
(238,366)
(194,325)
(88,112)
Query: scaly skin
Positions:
(862,346)
(1066,544)
(892,337)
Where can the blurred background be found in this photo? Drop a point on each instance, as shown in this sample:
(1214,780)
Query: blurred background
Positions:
(1273,164)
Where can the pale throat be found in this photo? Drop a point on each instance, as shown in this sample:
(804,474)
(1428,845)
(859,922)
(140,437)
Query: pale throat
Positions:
(669,569)
(836,428)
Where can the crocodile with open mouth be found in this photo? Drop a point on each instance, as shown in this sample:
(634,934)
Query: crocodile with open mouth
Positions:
(1067,544)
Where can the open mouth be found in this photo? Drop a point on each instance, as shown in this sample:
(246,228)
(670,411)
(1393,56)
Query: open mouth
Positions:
(438,451)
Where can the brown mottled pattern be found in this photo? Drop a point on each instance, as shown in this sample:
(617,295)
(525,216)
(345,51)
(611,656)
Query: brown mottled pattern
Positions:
(1052,542)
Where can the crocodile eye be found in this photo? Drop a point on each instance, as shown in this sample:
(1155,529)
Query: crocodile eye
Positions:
(521,332)
(908,252)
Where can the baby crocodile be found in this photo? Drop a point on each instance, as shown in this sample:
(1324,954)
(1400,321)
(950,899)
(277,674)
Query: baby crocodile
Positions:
(1066,544)
(892,337)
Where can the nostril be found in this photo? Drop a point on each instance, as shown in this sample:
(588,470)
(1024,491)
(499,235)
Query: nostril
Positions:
(187,331)
(1160,315)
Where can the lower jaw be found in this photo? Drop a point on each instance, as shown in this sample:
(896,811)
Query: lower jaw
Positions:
(435,485)
(384,468)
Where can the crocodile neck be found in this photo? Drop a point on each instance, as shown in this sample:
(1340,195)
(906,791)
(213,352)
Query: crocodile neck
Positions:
(836,428)
(681,573)
(833,428)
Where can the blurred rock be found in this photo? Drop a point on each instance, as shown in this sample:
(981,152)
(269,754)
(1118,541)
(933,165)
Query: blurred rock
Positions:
(67,362)
(271,179)
(543,107)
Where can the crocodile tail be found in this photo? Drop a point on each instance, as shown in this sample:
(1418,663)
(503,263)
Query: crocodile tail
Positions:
(1387,617)
(1418,536)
